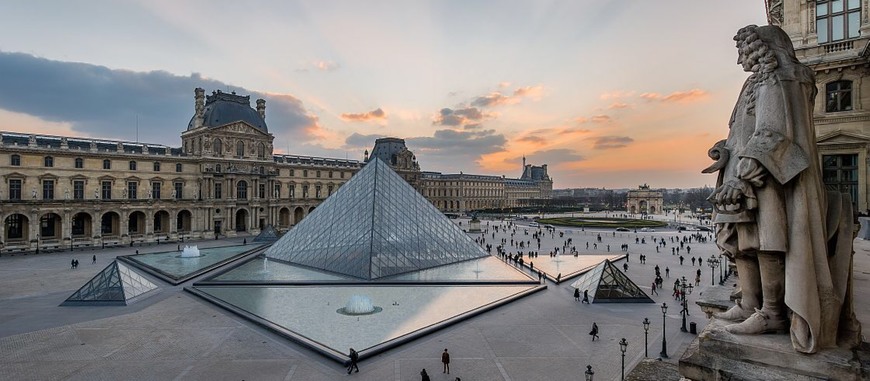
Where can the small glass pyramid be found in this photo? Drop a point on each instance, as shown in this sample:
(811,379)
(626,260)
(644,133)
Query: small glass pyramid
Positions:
(376,225)
(606,284)
(117,284)
(268,234)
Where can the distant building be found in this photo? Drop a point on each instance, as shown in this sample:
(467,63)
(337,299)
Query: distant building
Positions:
(644,200)
(461,192)
(833,39)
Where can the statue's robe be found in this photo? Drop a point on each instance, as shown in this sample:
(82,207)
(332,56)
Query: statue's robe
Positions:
(794,214)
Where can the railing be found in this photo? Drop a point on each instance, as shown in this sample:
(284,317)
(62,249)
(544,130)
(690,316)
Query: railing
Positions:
(839,46)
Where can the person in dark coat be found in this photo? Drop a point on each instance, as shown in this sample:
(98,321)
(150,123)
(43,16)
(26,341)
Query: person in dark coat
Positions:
(577,294)
(424,376)
(585,296)
(445,359)
(594,331)
(354,357)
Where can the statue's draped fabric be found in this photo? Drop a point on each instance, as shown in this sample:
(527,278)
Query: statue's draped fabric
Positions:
(790,212)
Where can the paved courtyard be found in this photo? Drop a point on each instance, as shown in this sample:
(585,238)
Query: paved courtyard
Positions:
(176,336)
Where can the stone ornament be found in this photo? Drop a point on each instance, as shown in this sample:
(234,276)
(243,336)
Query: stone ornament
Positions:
(790,239)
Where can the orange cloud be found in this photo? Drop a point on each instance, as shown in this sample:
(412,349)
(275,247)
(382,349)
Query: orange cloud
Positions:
(496,98)
(677,96)
(533,139)
(374,115)
(618,105)
(610,142)
(599,119)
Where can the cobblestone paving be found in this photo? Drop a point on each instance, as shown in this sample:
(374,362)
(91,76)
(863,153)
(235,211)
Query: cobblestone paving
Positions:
(175,336)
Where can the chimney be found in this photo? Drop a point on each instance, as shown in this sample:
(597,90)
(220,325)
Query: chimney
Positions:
(261,108)
(199,106)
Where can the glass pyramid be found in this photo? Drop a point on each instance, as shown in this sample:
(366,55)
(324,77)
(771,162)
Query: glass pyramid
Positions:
(606,284)
(375,225)
(268,234)
(116,284)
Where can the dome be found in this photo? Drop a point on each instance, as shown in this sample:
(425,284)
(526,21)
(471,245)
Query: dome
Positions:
(223,108)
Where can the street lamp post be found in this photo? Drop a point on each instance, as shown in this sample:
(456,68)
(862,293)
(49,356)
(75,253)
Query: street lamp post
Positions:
(722,265)
(683,311)
(589,373)
(645,337)
(713,262)
(623,345)
(664,353)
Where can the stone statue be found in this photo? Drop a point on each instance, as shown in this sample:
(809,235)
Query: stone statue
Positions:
(33,193)
(66,194)
(97,194)
(791,241)
(150,194)
(172,195)
(124,193)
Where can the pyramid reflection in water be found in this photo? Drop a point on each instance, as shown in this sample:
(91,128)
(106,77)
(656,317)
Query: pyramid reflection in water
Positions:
(376,225)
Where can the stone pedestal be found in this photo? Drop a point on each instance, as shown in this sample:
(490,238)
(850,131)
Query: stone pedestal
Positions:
(719,355)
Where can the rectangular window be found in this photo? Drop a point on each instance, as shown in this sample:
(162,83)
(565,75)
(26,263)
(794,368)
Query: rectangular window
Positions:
(218,191)
(48,161)
(106,190)
(318,174)
(132,165)
(304,173)
(261,191)
(156,166)
(837,20)
(79,163)
(330,174)
(79,190)
(178,167)
(107,164)
(838,96)
(48,189)
(292,173)
(15,189)
(132,188)
(15,161)
(841,171)
(179,188)
(155,190)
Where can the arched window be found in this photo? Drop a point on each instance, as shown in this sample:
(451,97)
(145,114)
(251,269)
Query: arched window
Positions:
(80,163)
(242,190)
(838,96)
(261,151)
(218,147)
(240,148)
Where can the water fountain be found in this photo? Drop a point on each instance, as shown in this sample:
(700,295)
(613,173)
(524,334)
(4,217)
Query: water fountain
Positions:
(190,252)
(359,305)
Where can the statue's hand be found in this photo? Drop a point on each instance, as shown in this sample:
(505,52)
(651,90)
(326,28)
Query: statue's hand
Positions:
(751,170)
(734,192)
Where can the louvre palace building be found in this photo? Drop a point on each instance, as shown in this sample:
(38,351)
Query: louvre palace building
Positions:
(224,180)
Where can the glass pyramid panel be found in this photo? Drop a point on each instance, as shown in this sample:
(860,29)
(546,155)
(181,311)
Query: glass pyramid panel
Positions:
(376,225)
(115,284)
(606,283)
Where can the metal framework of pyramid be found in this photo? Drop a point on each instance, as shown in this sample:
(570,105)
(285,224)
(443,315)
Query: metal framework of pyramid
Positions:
(268,234)
(116,284)
(375,225)
(606,284)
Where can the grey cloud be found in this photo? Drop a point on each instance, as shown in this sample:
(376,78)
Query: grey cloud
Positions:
(104,102)
(360,141)
(609,142)
(469,116)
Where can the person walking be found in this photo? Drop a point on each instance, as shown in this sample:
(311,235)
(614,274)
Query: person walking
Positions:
(585,296)
(445,359)
(424,376)
(354,357)
(594,331)
(577,294)
(94,259)
(654,288)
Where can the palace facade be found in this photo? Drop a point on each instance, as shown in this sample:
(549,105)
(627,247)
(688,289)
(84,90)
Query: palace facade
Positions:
(66,192)
(832,37)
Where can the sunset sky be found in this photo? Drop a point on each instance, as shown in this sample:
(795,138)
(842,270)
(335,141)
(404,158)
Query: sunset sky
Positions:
(608,93)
